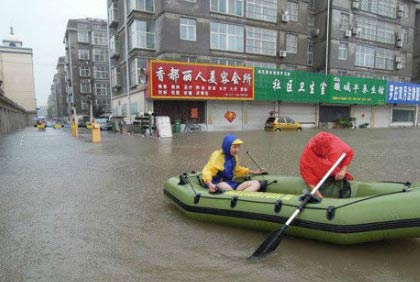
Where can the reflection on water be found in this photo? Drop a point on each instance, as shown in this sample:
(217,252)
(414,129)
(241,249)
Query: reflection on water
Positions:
(73,210)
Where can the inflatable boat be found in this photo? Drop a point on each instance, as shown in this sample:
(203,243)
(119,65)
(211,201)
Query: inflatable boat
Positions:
(375,211)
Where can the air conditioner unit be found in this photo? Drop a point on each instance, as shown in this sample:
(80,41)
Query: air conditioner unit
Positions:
(398,66)
(282,53)
(316,32)
(400,8)
(347,33)
(285,18)
(399,44)
(397,59)
(355,5)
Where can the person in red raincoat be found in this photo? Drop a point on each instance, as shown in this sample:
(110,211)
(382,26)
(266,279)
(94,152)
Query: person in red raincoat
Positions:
(320,154)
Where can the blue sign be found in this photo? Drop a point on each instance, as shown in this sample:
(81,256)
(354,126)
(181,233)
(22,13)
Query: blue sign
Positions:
(403,93)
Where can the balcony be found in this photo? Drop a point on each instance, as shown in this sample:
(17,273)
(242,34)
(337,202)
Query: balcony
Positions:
(114,47)
(113,15)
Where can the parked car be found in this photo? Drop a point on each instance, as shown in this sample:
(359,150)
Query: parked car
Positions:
(104,123)
(282,123)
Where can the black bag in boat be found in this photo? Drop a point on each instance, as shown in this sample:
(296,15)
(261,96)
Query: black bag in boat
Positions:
(335,188)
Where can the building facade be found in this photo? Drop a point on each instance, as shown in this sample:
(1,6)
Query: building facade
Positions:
(87,67)
(17,62)
(359,38)
(59,109)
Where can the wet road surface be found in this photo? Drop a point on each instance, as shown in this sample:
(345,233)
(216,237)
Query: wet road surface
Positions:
(71,210)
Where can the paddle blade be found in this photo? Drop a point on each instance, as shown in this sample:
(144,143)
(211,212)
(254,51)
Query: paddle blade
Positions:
(270,243)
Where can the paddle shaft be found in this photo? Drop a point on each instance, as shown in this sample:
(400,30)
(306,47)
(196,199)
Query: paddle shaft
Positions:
(274,238)
(255,162)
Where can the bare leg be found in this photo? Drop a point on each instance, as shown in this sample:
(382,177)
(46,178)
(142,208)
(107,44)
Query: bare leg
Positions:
(224,186)
(251,186)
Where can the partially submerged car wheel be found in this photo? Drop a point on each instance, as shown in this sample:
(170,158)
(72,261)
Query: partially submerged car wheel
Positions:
(299,129)
(277,130)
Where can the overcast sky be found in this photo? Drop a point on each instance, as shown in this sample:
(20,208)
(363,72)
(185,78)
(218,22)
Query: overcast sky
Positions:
(40,25)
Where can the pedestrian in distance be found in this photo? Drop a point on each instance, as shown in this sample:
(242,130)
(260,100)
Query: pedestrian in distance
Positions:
(223,166)
(319,154)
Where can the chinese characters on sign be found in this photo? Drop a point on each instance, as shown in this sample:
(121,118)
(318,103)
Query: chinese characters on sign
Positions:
(175,80)
(403,93)
(299,86)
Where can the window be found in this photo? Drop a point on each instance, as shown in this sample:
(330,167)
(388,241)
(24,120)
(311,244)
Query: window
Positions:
(83,54)
(85,86)
(114,45)
(342,51)
(189,59)
(341,73)
(101,88)
(405,10)
(99,38)
(141,35)
(82,25)
(231,7)
(312,4)
(403,61)
(293,10)
(227,62)
(404,35)
(100,72)
(142,5)
(187,29)
(100,55)
(344,22)
(226,37)
(381,7)
(365,56)
(311,22)
(291,43)
(367,28)
(133,109)
(260,65)
(265,10)
(135,67)
(124,109)
(310,55)
(84,71)
(113,12)
(385,33)
(403,115)
(261,41)
(83,36)
(384,59)
(115,77)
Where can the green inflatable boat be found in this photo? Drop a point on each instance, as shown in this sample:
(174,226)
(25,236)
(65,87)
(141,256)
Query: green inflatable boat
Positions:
(375,211)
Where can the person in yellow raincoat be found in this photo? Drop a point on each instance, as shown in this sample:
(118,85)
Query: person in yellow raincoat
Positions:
(223,166)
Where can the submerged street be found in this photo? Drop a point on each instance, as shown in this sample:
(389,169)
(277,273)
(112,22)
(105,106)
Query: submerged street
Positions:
(71,210)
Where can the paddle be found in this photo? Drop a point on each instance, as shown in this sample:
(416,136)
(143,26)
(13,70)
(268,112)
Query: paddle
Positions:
(255,162)
(274,238)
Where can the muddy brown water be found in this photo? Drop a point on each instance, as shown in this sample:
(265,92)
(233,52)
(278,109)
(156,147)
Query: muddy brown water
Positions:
(71,210)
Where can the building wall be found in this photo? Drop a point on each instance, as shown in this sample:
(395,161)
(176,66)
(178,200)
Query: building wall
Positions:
(18,77)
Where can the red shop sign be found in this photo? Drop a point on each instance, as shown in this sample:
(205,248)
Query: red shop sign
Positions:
(178,80)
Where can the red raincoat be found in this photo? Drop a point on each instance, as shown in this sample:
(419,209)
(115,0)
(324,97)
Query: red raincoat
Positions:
(320,154)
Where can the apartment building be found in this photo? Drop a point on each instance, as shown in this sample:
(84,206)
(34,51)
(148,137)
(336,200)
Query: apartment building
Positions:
(87,67)
(17,61)
(58,90)
(359,38)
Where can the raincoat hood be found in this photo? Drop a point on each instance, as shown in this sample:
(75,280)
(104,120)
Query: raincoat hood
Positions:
(227,143)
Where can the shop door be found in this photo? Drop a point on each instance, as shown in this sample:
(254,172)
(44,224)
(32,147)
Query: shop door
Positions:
(185,111)
(332,113)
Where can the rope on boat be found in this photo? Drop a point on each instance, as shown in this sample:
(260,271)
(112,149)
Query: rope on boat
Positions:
(278,204)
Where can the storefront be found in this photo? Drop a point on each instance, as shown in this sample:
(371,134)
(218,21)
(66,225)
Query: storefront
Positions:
(212,96)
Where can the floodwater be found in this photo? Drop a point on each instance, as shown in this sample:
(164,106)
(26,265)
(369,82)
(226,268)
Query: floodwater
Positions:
(71,210)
